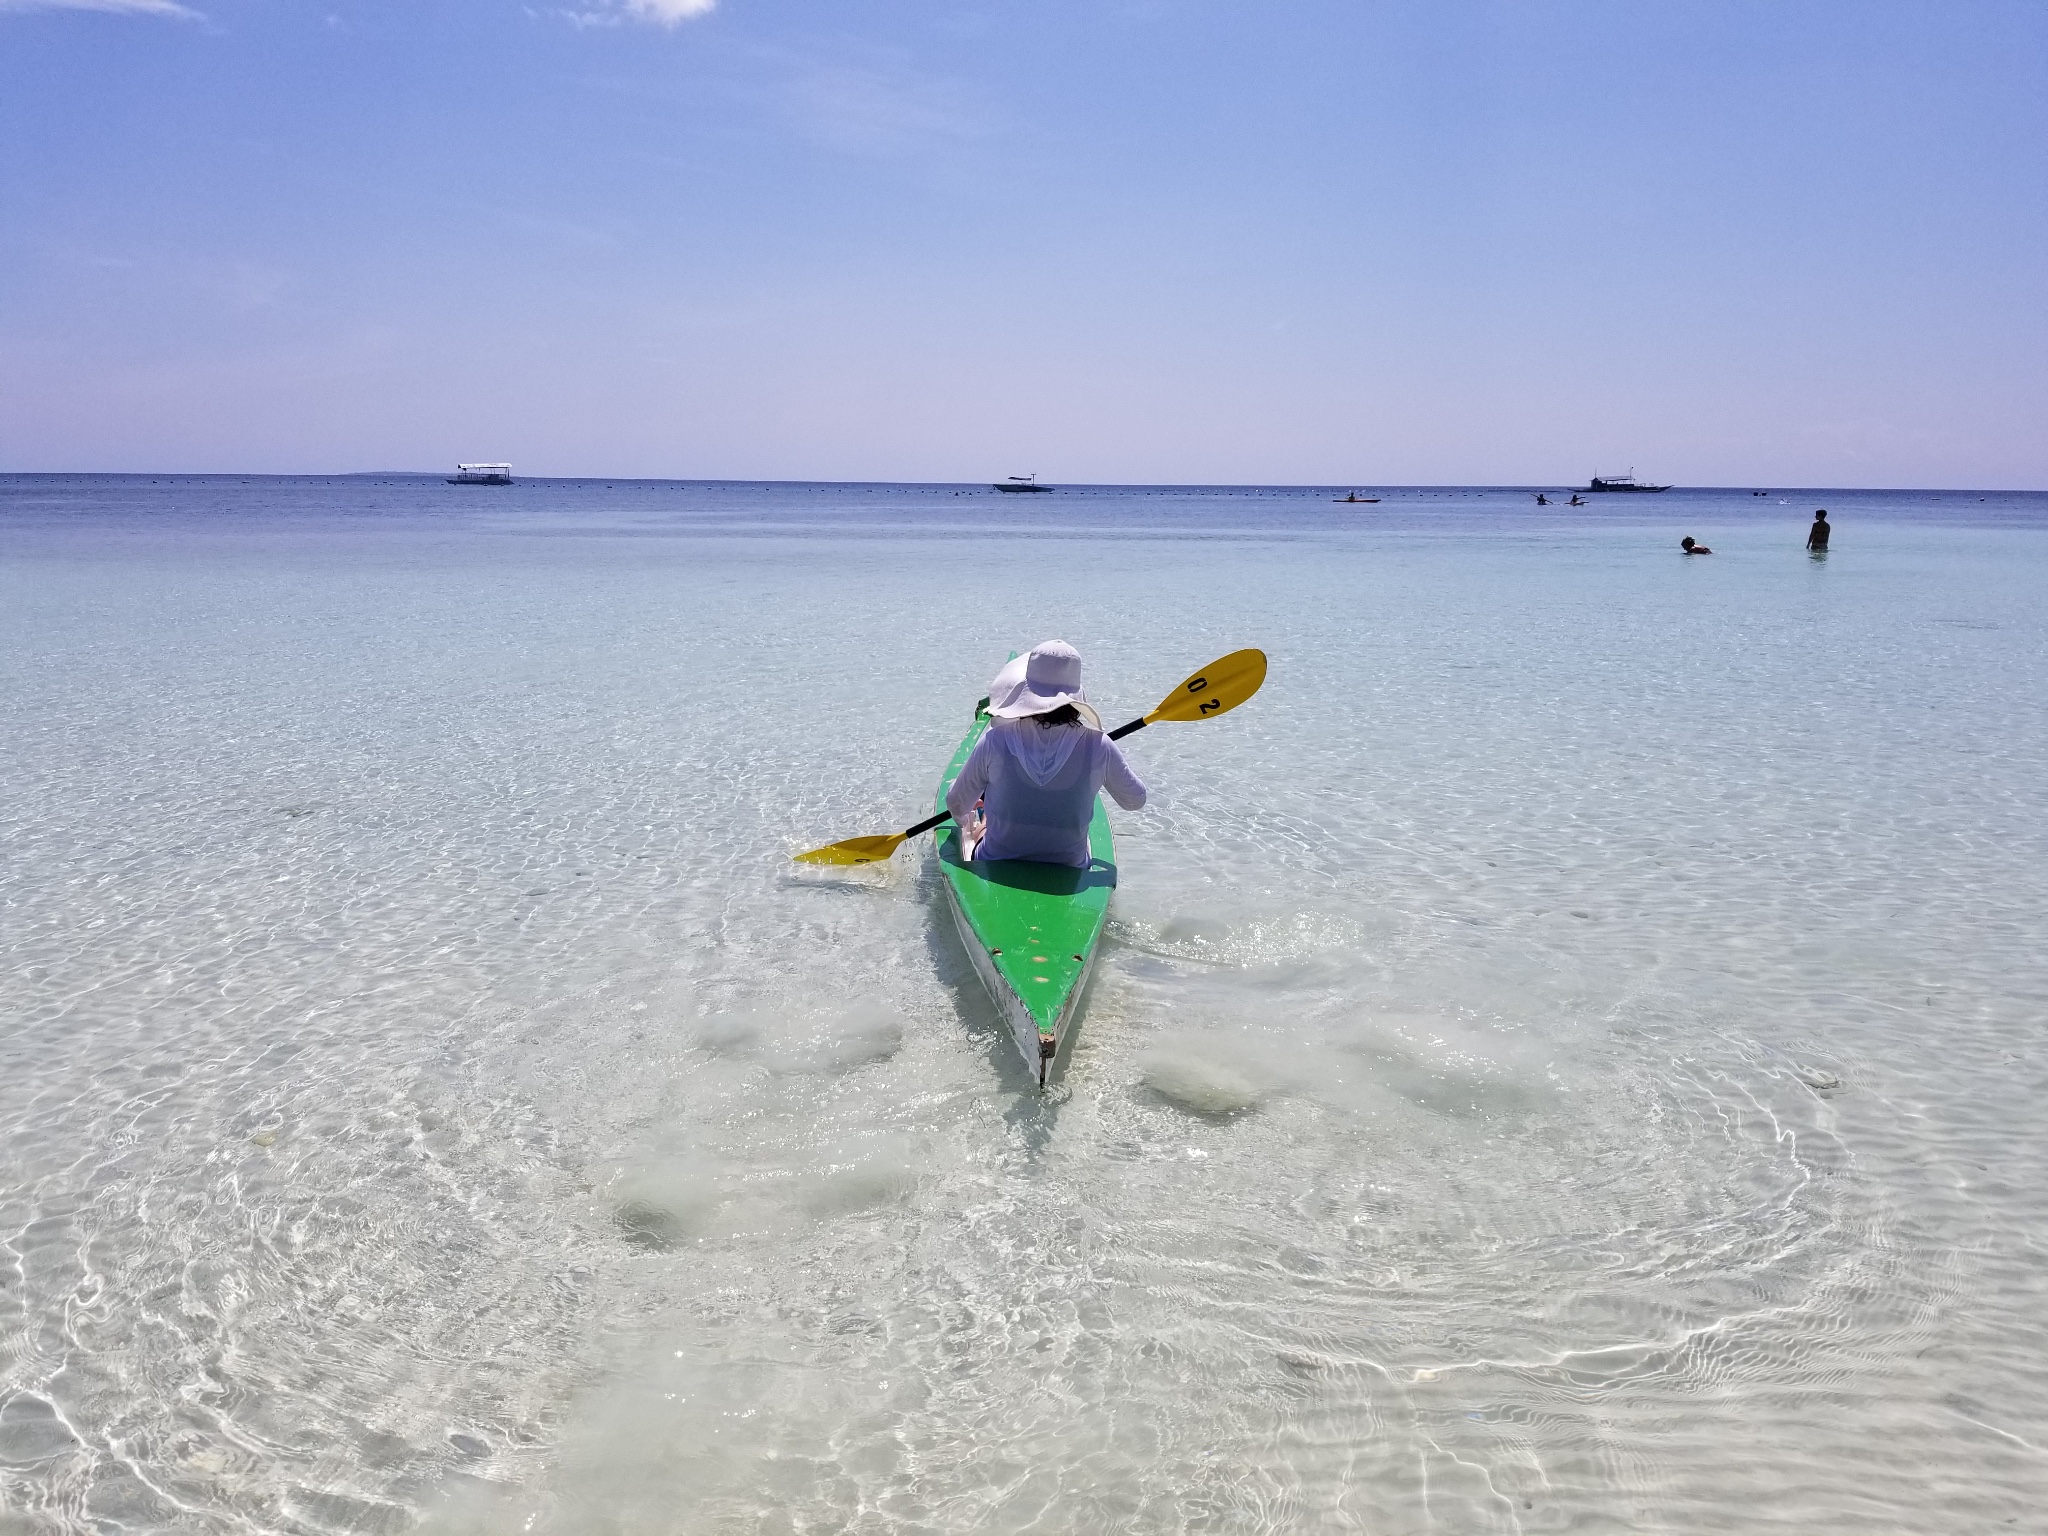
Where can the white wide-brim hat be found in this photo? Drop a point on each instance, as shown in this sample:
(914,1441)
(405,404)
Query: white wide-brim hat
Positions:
(1032,684)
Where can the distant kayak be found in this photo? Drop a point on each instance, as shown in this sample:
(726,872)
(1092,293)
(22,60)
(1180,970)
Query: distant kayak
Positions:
(1354,496)
(1030,929)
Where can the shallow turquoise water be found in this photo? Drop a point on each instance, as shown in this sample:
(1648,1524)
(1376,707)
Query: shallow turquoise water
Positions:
(1568,1055)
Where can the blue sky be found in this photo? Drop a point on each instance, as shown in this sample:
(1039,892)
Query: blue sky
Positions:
(1774,243)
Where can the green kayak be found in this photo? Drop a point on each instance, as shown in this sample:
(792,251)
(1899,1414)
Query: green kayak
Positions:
(1030,929)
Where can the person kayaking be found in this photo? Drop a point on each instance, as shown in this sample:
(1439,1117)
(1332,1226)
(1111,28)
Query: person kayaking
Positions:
(1817,535)
(1038,767)
(1692,547)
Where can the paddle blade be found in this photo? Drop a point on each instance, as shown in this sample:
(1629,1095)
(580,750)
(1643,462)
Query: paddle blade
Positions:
(1215,690)
(855,850)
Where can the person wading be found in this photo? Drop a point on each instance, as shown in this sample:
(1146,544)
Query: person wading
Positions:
(1817,535)
(1038,767)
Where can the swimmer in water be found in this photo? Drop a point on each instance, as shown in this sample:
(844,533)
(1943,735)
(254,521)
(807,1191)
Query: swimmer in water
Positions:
(1693,548)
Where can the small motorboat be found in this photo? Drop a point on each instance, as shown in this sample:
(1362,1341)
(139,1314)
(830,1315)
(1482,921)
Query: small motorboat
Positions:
(1021,483)
(481,474)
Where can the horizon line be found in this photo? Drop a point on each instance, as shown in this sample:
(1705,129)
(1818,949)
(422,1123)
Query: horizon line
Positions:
(1079,485)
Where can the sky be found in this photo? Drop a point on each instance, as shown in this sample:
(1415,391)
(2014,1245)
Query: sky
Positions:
(1735,242)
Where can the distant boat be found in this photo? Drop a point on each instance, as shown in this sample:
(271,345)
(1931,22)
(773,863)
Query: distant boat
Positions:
(481,474)
(1354,496)
(1625,482)
(1021,483)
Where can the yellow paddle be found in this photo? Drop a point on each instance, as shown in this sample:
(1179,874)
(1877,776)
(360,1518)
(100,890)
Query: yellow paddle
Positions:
(1215,690)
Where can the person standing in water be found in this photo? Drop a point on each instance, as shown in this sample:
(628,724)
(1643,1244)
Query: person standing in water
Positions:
(1039,765)
(1817,535)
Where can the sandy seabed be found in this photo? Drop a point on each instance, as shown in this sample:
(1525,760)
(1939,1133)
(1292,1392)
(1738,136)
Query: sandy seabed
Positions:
(1567,1057)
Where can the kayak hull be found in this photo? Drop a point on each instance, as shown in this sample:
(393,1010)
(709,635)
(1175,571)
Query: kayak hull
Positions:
(1031,930)
(1039,1048)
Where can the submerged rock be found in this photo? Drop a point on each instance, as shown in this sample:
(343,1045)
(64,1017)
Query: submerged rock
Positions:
(1199,1086)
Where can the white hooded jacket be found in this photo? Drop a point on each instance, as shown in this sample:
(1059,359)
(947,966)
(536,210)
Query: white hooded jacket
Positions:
(1037,784)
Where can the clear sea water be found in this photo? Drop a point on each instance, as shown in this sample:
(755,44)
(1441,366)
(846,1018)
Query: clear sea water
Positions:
(1568,1055)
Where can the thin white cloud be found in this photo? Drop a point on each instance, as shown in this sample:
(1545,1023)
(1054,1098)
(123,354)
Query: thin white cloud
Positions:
(665,13)
(660,13)
(124,7)
(878,107)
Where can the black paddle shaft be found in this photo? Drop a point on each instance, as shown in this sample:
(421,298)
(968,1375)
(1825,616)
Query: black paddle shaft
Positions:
(932,821)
